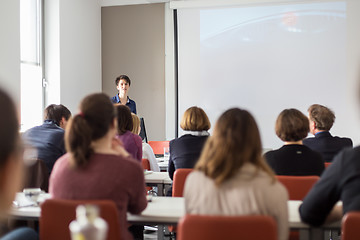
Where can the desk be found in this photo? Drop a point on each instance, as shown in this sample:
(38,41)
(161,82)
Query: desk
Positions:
(163,163)
(165,211)
(158,179)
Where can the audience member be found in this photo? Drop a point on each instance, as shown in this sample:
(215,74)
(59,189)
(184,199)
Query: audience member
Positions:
(48,138)
(123,83)
(132,142)
(11,165)
(185,151)
(294,158)
(321,120)
(232,178)
(96,165)
(147,151)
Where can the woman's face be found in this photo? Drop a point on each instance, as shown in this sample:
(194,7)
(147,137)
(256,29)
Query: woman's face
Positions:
(123,87)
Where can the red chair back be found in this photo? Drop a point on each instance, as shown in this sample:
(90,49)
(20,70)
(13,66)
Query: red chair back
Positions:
(145,164)
(56,215)
(350,226)
(298,186)
(180,176)
(202,227)
(158,146)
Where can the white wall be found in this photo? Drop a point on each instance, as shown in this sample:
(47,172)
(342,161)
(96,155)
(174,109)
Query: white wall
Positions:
(73,50)
(10,47)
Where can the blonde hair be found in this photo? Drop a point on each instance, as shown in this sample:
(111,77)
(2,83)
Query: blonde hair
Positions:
(136,124)
(195,119)
(235,141)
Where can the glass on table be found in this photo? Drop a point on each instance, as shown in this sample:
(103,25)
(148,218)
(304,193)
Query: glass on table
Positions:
(166,153)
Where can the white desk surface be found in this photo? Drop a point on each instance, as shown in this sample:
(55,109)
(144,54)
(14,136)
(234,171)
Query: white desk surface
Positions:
(168,210)
(158,177)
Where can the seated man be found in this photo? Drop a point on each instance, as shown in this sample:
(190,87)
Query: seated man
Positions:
(321,120)
(48,138)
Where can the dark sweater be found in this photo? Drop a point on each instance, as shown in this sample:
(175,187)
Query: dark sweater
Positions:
(295,160)
(327,145)
(340,181)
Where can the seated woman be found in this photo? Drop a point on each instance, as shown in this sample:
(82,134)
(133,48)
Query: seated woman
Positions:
(294,158)
(147,151)
(231,177)
(132,142)
(96,165)
(185,151)
(11,165)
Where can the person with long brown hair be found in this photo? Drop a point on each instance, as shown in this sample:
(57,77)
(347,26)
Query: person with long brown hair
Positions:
(11,165)
(96,165)
(232,178)
(132,142)
(147,151)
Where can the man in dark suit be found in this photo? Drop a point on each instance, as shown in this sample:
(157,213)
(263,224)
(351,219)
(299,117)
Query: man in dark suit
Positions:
(321,120)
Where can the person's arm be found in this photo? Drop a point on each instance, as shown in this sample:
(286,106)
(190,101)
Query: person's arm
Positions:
(149,153)
(138,143)
(321,199)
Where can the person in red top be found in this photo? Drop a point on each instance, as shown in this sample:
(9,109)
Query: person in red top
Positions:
(96,165)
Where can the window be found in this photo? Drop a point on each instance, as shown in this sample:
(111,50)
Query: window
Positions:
(32,93)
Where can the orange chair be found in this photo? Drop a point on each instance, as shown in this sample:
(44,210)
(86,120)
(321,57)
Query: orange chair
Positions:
(180,176)
(145,164)
(327,164)
(56,215)
(298,186)
(158,146)
(203,227)
(350,226)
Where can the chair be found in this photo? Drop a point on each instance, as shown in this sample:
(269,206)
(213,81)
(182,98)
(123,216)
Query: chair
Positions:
(158,146)
(350,226)
(37,175)
(145,164)
(298,186)
(203,227)
(56,215)
(180,176)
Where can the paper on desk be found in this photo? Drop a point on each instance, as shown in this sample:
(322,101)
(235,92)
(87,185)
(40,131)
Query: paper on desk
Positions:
(22,201)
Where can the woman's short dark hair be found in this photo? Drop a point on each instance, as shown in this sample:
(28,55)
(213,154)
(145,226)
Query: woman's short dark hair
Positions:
(292,125)
(56,112)
(123,77)
(9,128)
(125,122)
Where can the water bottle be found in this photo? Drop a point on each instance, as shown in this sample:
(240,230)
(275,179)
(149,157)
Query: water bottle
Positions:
(88,225)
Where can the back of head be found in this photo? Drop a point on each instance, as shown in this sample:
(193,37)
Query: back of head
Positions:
(96,115)
(56,112)
(292,125)
(323,117)
(125,122)
(195,119)
(9,128)
(136,124)
(235,141)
